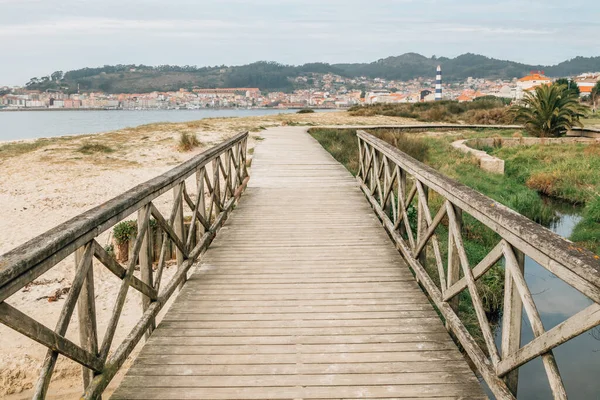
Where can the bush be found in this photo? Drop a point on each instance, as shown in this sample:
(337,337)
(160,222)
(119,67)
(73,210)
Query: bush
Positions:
(494,116)
(187,141)
(125,230)
(484,110)
(408,143)
(306,111)
(90,148)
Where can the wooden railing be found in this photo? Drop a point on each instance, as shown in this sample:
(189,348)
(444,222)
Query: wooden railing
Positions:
(220,177)
(396,185)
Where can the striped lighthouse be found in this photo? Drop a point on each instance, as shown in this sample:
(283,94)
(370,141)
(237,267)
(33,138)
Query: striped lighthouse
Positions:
(438,84)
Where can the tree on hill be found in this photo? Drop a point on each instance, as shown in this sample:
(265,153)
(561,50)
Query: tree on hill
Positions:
(570,84)
(550,111)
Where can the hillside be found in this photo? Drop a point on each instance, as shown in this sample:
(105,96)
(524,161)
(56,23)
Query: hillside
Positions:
(274,76)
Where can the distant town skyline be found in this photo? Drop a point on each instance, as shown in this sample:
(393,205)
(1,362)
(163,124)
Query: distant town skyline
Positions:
(38,37)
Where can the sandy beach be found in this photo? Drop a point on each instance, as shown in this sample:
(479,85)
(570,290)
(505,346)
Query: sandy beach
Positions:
(44,184)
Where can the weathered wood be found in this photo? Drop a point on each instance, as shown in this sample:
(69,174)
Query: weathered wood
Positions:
(478,271)
(113,266)
(178,228)
(27,326)
(145,266)
(273,294)
(579,269)
(511,319)
(520,236)
(512,264)
(25,263)
(175,232)
(479,359)
(422,209)
(61,241)
(86,308)
(476,299)
(561,333)
(83,263)
(454,263)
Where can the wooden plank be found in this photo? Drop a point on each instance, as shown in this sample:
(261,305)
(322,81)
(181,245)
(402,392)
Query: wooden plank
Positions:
(27,326)
(297,323)
(321,339)
(329,358)
(258,308)
(174,316)
(291,369)
(385,391)
(272,381)
(422,327)
(305,349)
(280,308)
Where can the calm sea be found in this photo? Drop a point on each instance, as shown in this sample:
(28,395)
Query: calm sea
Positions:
(19,125)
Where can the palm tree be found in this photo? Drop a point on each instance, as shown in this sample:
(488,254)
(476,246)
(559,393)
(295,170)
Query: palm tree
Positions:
(549,111)
(595,95)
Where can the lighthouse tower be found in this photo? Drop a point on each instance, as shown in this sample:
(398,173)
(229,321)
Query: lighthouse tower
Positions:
(438,84)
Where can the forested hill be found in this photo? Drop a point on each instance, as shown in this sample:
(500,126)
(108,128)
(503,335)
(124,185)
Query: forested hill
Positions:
(273,76)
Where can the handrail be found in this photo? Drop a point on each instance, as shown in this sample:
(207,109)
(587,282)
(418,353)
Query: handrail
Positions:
(214,196)
(31,258)
(384,174)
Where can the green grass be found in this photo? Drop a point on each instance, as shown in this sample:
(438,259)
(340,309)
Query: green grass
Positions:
(14,149)
(587,232)
(565,171)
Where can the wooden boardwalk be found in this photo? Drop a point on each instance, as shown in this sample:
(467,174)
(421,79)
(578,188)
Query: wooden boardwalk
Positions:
(301,296)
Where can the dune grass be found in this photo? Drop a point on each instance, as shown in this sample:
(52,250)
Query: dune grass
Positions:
(92,148)
(188,141)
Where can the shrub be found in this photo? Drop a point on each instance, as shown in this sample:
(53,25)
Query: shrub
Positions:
(125,230)
(187,141)
(406,142)
(91,148)
(484,110)
(306,111)
(110,249)
(544,182)
(494,116)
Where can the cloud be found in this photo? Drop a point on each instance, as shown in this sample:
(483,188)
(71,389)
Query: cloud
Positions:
(42,36)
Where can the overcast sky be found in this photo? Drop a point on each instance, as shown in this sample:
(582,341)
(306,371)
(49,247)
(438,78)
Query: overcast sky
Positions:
(38,37)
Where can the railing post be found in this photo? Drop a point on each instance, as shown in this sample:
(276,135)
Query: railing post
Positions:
(86,311)
(201,204)
(216,186)
(361,165)
(422,223)
(512,321)
(453,261)
(401,194)
(179,228)
(145,260)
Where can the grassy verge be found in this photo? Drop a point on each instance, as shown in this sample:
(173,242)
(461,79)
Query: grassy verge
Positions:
(569,172)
